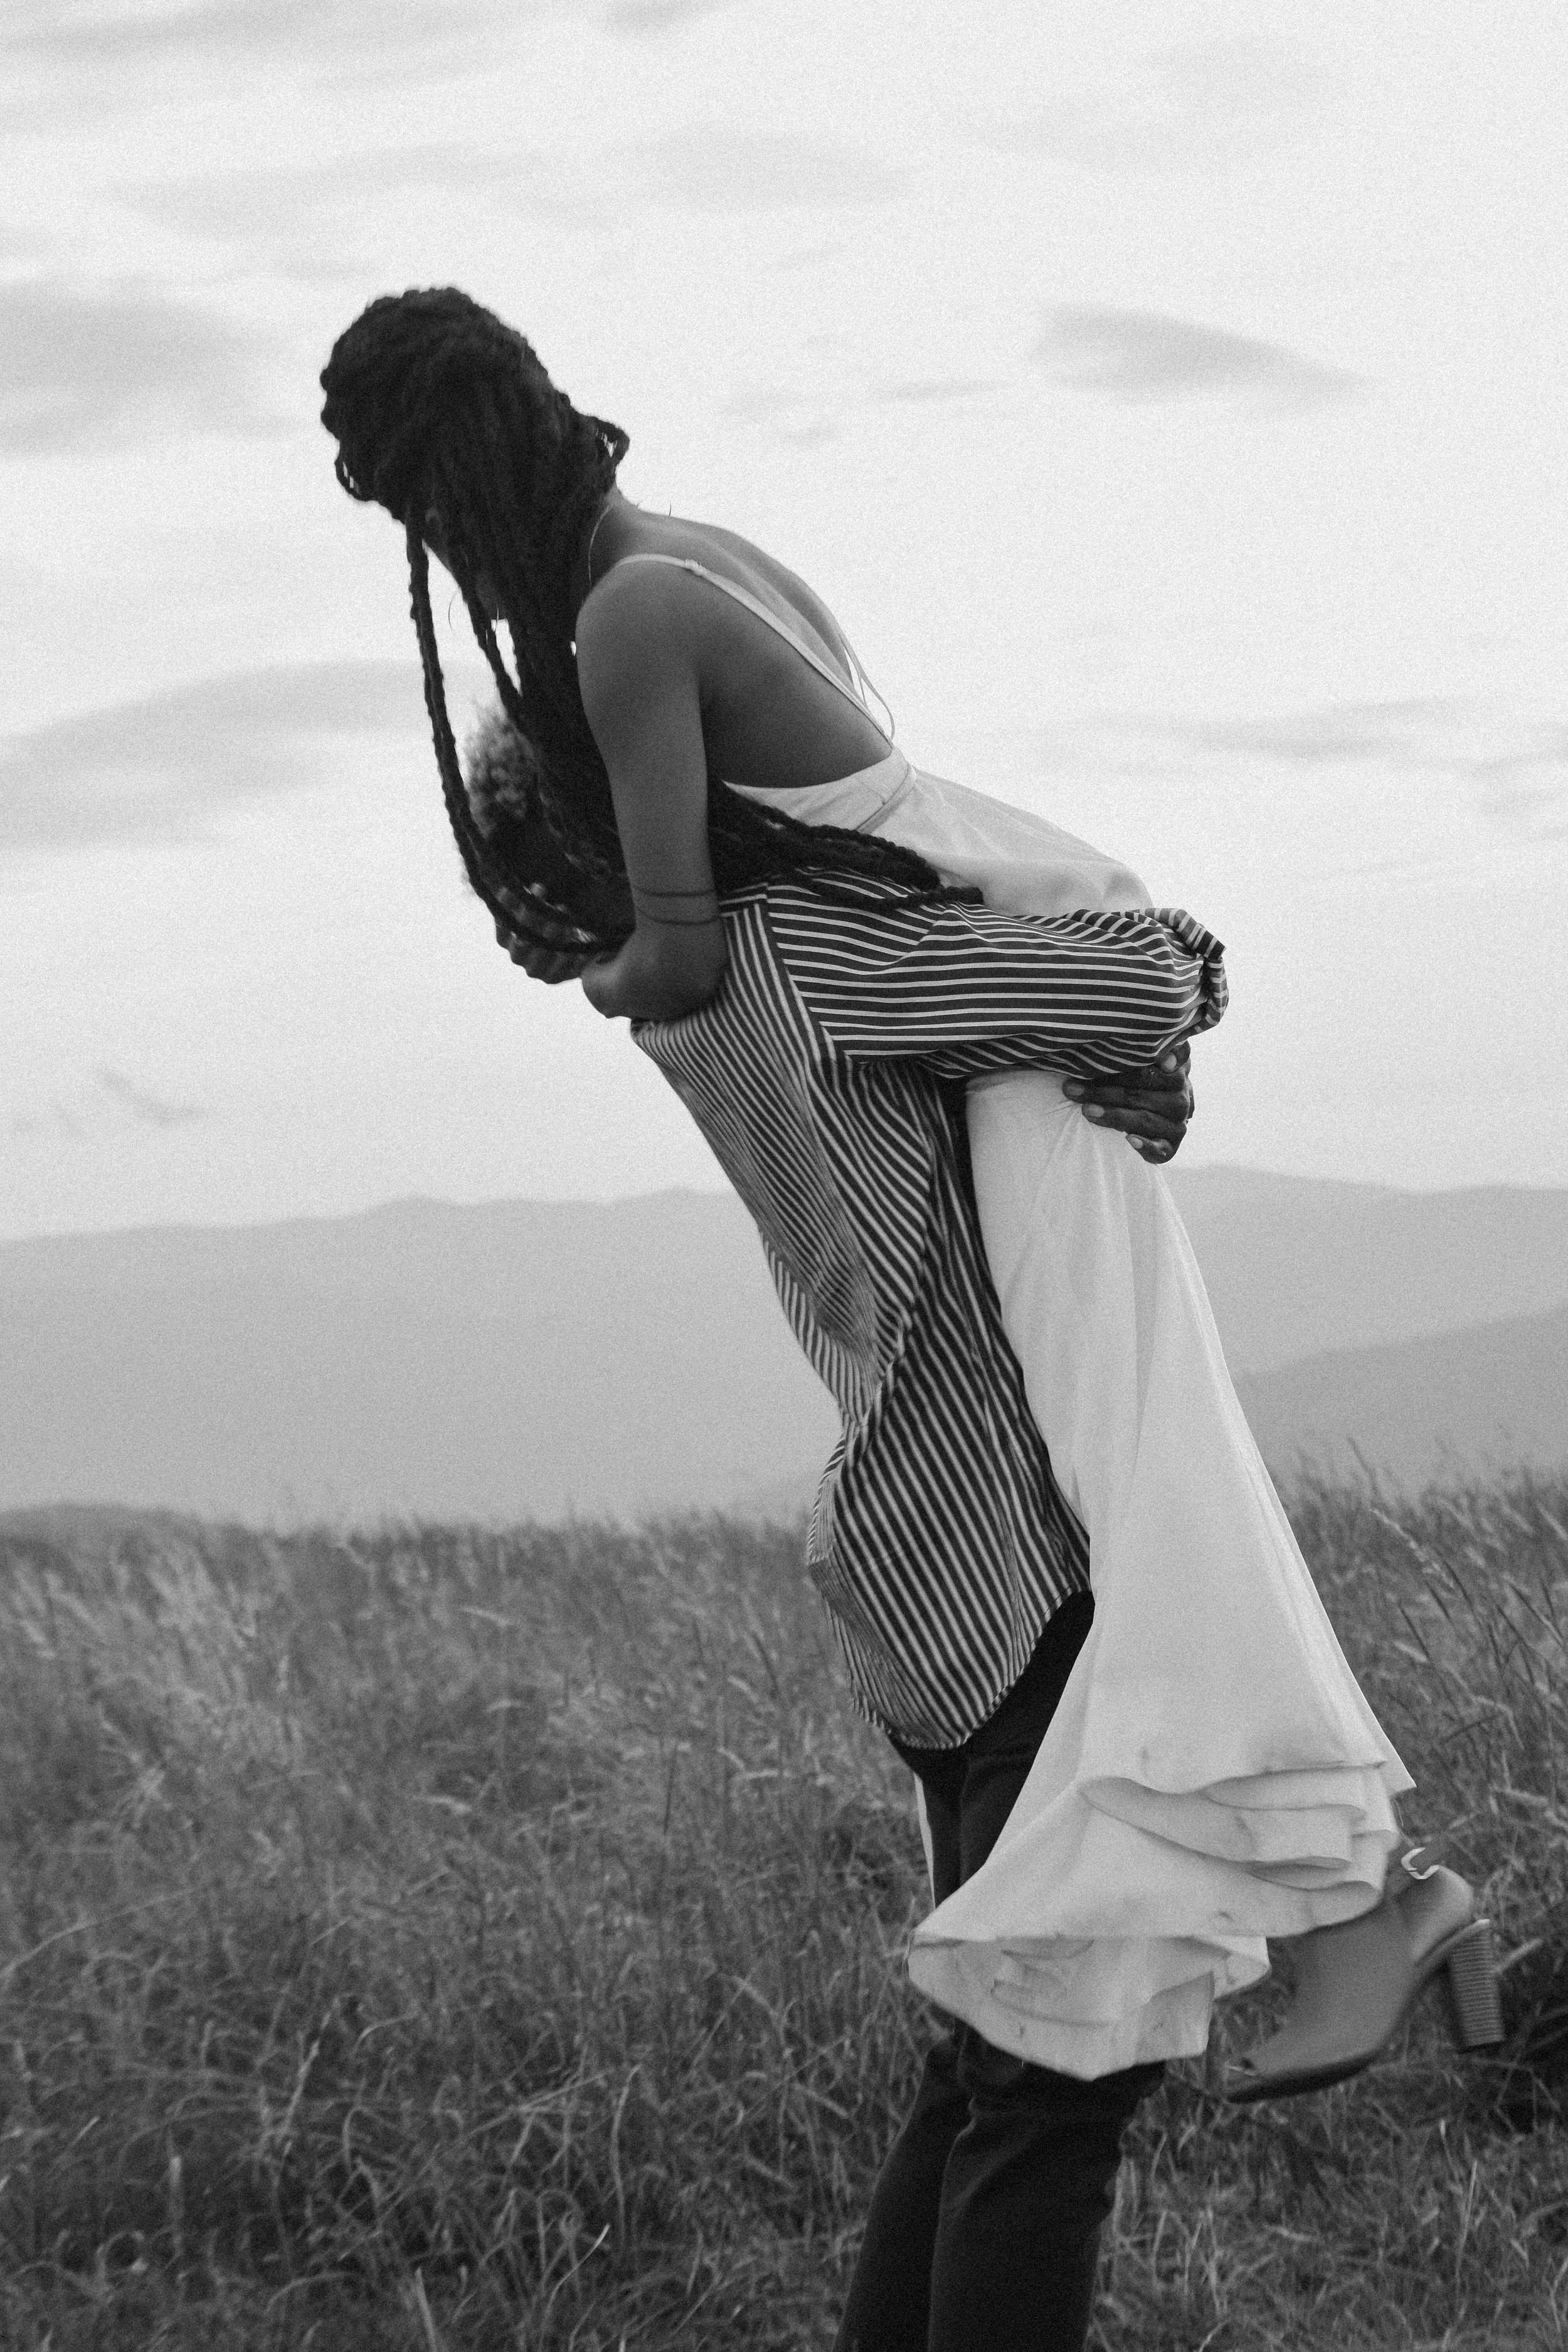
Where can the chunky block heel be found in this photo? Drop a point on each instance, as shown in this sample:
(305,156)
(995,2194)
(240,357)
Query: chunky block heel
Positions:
(1356,1984)
(1472,1988)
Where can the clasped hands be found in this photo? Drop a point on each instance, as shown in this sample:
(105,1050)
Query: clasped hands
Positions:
(1153,1106)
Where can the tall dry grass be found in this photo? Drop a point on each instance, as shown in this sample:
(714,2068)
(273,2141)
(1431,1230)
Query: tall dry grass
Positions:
(442,1937)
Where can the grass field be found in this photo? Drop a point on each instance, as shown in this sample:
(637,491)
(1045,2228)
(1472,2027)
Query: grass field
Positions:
(452,1938)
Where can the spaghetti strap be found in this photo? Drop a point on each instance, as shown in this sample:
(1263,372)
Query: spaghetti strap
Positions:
(754,604)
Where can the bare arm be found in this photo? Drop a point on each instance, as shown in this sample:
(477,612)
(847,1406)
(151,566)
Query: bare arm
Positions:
(640,691)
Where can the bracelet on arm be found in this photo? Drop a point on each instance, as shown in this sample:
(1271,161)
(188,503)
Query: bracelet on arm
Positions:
(676,922)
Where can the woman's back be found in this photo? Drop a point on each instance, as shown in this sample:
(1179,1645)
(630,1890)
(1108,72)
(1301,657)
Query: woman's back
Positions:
(771,721)
(774,666)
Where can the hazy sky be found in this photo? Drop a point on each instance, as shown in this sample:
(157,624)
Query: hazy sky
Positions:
(1169,399)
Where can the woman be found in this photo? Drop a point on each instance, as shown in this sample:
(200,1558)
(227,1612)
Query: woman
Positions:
(1212,1777)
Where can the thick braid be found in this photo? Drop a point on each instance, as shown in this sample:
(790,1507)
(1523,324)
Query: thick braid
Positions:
(522,910)
(750,843)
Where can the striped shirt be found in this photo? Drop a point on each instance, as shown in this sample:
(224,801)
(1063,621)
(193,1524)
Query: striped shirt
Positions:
(827,1076)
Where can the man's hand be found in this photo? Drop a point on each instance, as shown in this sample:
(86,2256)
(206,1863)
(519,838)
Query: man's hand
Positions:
(1151,1107)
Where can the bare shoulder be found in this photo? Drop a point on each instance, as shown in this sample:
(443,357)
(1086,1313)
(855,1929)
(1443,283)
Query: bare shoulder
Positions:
(632,604)
(634,630)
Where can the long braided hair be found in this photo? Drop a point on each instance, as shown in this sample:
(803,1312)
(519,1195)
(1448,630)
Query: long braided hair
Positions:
(437,406)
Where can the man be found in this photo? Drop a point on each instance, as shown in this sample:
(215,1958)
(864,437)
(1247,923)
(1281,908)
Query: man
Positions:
(827,1075)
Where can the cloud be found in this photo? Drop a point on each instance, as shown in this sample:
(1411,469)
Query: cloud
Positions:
(59,1119)
(1202,106)
(411,35)
(810,256)
(1512,765)
(84,368)
(1147,355)
(711,170)
(138,1105)
(146,1108)
(798,414)
(1526,788)
(162,768)
(91,58)
(325,203)
(767,400)
(112,45)
(1333,733)
(644,16)
(930,391)
(802,414)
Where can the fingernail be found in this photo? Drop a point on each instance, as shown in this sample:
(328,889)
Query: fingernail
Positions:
(1092,1110)
(1169,1063)
(1072,1088)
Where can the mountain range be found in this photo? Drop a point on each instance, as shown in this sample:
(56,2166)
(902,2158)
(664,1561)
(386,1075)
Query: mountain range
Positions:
(537,1358)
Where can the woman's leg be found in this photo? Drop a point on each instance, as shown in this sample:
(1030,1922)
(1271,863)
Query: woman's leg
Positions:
(1222,1722)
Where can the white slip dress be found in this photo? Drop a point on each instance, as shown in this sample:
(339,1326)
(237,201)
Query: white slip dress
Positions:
(1213,1775)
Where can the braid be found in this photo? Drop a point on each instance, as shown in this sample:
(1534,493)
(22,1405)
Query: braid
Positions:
(521,908)
(436,405)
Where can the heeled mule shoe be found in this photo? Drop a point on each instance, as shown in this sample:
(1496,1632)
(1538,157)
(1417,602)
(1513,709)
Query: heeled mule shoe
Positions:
(1357,1984)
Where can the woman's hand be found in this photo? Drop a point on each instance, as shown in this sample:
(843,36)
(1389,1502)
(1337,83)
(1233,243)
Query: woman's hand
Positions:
(604,985)
(1152,1108)
(550,964)
(659,975)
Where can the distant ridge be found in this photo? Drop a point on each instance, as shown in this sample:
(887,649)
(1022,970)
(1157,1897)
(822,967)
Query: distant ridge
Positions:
(1298,1264)
(1459,1404)
(515,1357)
(534,1358)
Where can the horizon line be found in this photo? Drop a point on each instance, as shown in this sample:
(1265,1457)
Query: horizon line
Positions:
(170,1225)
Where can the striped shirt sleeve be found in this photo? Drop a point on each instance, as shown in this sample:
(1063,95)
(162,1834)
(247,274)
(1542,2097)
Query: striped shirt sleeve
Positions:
(966,989)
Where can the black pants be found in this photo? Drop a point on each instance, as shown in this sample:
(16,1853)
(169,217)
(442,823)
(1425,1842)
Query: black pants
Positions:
(984,2234)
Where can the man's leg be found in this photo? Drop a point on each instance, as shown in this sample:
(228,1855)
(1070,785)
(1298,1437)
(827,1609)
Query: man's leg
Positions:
(889,2296)
(1031,2177)
(1029,2183)
(1021,2166)
(888,2305)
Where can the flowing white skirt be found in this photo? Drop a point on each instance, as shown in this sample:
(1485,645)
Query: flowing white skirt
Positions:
(1213,1775)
